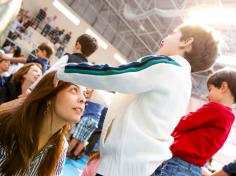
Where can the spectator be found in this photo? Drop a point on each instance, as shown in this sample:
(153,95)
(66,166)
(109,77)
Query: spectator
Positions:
(211,124)
(40,17)
(86,126)
(43,54)
(32,135)
(85,46)
(20,82)
(66,38)
(50,24)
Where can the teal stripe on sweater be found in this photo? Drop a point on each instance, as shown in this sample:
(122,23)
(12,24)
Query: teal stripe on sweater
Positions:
(115,72)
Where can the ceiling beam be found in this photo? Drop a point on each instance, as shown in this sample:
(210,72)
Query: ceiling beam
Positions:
(131,29)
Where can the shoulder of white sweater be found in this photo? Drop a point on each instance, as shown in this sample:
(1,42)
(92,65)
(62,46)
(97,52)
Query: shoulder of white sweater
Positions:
(58,64)
(182,61)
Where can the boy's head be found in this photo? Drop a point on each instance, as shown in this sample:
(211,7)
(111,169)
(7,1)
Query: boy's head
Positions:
(222,87)
(44,51)
(196,43)
(86,44)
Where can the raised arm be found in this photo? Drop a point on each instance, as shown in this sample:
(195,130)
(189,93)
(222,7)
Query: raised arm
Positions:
(135,77)
(21,59)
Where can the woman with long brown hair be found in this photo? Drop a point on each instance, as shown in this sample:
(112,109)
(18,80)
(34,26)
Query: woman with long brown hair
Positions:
(32,136)
(20,82)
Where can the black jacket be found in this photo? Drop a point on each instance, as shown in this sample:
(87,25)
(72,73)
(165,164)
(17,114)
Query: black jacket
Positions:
(9,91)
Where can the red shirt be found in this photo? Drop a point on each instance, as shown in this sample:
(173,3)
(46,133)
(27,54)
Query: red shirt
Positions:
(200,134)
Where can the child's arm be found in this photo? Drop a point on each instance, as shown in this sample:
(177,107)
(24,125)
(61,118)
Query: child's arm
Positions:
(220,173)
(21,59)
(135,77)
(198,118)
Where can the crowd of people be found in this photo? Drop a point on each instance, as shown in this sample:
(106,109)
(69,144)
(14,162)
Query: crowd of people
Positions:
(50,30)
(48,112)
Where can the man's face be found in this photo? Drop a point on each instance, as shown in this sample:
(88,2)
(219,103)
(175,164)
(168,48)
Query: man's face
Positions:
(4,65)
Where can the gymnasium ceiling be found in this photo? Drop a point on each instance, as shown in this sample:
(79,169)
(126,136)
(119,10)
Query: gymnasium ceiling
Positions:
(136,27)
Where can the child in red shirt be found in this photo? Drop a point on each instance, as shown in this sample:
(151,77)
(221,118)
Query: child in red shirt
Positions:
(200,134)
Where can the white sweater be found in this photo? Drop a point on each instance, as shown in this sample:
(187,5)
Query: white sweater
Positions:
(154,94)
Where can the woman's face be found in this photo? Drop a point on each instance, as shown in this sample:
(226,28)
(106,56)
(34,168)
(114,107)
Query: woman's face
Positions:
(69,104)
(33,74)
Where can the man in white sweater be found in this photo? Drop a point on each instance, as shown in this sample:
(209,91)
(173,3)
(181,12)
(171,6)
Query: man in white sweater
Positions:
(153,93)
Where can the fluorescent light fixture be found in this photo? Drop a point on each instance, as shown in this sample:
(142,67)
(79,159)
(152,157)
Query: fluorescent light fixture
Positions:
(217,15)
(100,41)
(66,12)
(120,59)
(227,60)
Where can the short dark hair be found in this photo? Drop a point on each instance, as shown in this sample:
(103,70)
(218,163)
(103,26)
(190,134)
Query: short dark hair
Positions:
(227,75)
(88,44)
(45,47)
(204,47)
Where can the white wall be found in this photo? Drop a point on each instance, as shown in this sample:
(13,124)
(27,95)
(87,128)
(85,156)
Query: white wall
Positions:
(100,56)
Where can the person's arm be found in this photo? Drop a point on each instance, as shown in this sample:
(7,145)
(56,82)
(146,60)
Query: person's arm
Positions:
(11,104)
(220,173)
(230,168)
(21,59)
(198,118)
(135,77)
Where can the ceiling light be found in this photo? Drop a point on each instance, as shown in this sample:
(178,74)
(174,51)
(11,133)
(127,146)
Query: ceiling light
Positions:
(66,12)
(217,15)
(100,41)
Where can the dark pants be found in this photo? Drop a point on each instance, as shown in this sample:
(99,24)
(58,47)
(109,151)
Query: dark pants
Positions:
(36,23)
(46,30)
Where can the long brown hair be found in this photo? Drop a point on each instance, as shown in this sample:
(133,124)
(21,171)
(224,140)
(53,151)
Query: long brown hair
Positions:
(18,77)
(20,127)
